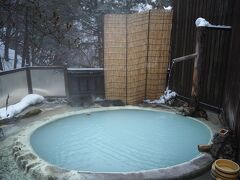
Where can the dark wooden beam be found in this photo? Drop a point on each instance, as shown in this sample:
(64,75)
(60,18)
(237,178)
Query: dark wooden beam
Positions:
(219,27)
(184,58)
(66,81)
(29,79)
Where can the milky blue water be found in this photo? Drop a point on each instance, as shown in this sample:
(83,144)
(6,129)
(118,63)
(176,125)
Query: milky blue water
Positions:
(120,140)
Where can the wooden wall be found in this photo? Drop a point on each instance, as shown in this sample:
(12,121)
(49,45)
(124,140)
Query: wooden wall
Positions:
(216,49)
(232,88)
(220,83)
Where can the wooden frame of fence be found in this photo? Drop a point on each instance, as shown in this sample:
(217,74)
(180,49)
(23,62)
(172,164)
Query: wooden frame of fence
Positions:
(93,76)
(27,69)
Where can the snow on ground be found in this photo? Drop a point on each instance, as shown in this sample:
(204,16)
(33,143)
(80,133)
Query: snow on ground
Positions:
(168,94)
(12,110)
(98,99)
(169,8)
(8,65)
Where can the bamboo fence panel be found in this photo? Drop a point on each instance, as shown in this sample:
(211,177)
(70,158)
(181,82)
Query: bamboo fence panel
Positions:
(136,54)
(158,52)
(137,34)
(115,56)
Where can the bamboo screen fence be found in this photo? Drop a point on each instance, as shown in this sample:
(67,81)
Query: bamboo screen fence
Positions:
(115,56)
(136,55)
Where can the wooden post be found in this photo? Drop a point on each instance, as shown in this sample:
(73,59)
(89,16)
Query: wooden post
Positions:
(126,58)
(66,81)
(29,79)
(148,33)
(200,39)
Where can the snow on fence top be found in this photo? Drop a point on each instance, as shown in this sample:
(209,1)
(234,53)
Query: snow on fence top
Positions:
(201,22)
(141,7)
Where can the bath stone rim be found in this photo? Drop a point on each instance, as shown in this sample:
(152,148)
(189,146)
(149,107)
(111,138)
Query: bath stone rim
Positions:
(41,167)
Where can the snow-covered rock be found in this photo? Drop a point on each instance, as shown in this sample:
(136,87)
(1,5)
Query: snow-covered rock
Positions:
(12,110)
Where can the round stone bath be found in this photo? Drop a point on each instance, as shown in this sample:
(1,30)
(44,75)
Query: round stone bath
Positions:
(114,143)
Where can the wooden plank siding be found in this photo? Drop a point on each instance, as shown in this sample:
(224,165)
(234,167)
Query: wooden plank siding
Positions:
(86,83)
(232,87)
(216,48)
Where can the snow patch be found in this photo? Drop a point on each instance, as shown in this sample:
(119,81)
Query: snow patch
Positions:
(12,110)
(141,7)
(169,8)
(168,95)
(98,99)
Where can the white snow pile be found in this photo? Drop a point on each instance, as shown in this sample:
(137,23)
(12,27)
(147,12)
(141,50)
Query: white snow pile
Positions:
(201,22)
(169,8)
(8,65)
(141,7)
(12,110)
(168,95)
